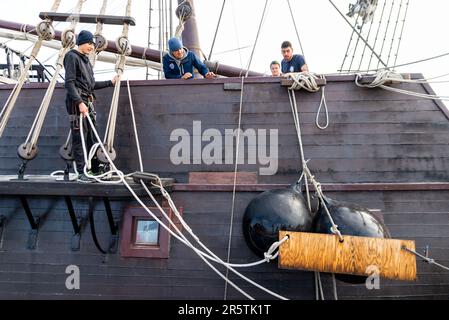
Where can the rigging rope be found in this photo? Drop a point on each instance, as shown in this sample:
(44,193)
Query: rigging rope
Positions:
(124,47)
(101,42)
(296,27)
(394,31)
(426,259)
(377,33)
(402,31)
(262,20)
(308,81)
(122,179)
(216,30)
(386,32)
(28,149)
(46,33)
(385,76)
(367,40)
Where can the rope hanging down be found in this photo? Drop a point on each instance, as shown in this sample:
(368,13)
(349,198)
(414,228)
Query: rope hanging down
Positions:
(177,233)
(45,32)
(124,47)
(28,150)
(308,81)
(231,228)
(307,175)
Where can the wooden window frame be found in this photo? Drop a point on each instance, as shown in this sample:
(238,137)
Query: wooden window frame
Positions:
(128,248)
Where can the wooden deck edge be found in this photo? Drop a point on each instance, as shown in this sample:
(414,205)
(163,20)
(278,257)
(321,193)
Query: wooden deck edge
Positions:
(356,187)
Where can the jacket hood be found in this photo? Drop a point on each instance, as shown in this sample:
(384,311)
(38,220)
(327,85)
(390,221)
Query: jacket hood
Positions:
(186,53)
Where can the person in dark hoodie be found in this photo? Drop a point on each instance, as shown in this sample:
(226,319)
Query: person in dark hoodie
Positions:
(80,85)
(179,62)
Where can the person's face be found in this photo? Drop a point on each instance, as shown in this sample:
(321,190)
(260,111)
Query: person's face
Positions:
(275,70)
(287,53)
(178,54)
(86,48)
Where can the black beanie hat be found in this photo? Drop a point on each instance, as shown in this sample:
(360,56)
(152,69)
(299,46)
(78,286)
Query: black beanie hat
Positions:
(85,37)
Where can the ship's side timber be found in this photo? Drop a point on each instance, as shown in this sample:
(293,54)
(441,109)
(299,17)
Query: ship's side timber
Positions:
(374,137)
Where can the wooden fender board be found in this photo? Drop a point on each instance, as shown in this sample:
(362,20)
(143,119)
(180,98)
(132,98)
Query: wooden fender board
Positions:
(355,256)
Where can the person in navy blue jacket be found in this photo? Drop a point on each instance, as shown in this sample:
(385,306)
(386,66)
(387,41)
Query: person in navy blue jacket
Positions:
(292,62)
(179,62)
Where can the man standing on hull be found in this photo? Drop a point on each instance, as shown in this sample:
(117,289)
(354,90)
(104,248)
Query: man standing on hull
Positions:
(80,85)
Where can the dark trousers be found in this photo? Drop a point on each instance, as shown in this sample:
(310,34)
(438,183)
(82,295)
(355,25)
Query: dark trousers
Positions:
(89,138)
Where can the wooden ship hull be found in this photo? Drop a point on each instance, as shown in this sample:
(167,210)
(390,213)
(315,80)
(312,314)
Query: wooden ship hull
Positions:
(383,150)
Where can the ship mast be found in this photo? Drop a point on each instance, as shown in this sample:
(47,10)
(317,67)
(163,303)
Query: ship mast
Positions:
(190,36)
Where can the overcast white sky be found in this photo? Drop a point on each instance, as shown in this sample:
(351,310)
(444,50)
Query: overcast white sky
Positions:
(323,32)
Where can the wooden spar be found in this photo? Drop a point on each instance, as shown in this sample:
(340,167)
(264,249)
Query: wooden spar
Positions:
(355,256)
(137,52)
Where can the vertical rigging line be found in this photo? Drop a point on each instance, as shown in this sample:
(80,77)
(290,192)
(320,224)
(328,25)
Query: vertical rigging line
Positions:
(367,39)
(394,31)
(237,155)
(296,28)
(377,33)
(402,32)
(350,41)
(386,32)
(356,46)
(216,30)
(160,35)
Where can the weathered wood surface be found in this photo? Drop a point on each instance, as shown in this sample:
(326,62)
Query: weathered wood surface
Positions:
(88,18)
(47,186)
(386,137)
(374,136)
(354,256)
(220,178)
(421,216)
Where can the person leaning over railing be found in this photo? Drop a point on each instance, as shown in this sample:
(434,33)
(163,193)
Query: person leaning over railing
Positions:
(179,62)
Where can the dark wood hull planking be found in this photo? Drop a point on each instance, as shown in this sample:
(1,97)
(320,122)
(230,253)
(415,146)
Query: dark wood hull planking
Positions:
(375,137)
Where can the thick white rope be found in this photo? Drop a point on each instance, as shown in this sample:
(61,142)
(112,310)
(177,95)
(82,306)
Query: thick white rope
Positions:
(269,255)
(122,178)
(68,42)
(308,81)
(124,46)
(384,76)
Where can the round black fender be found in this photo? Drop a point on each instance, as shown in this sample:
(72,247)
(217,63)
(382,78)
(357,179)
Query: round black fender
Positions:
(352,220)
(273,211)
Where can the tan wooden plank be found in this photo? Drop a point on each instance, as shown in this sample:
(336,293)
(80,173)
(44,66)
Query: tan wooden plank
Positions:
(222,177)
(325,253)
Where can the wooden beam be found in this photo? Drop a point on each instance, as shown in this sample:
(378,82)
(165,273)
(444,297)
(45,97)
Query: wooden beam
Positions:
(88,18)
(221,178)
(47,186)
(326,187)
(355,256)
(289,82)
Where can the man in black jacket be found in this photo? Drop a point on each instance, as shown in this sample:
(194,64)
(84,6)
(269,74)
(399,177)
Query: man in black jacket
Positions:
(80,85)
